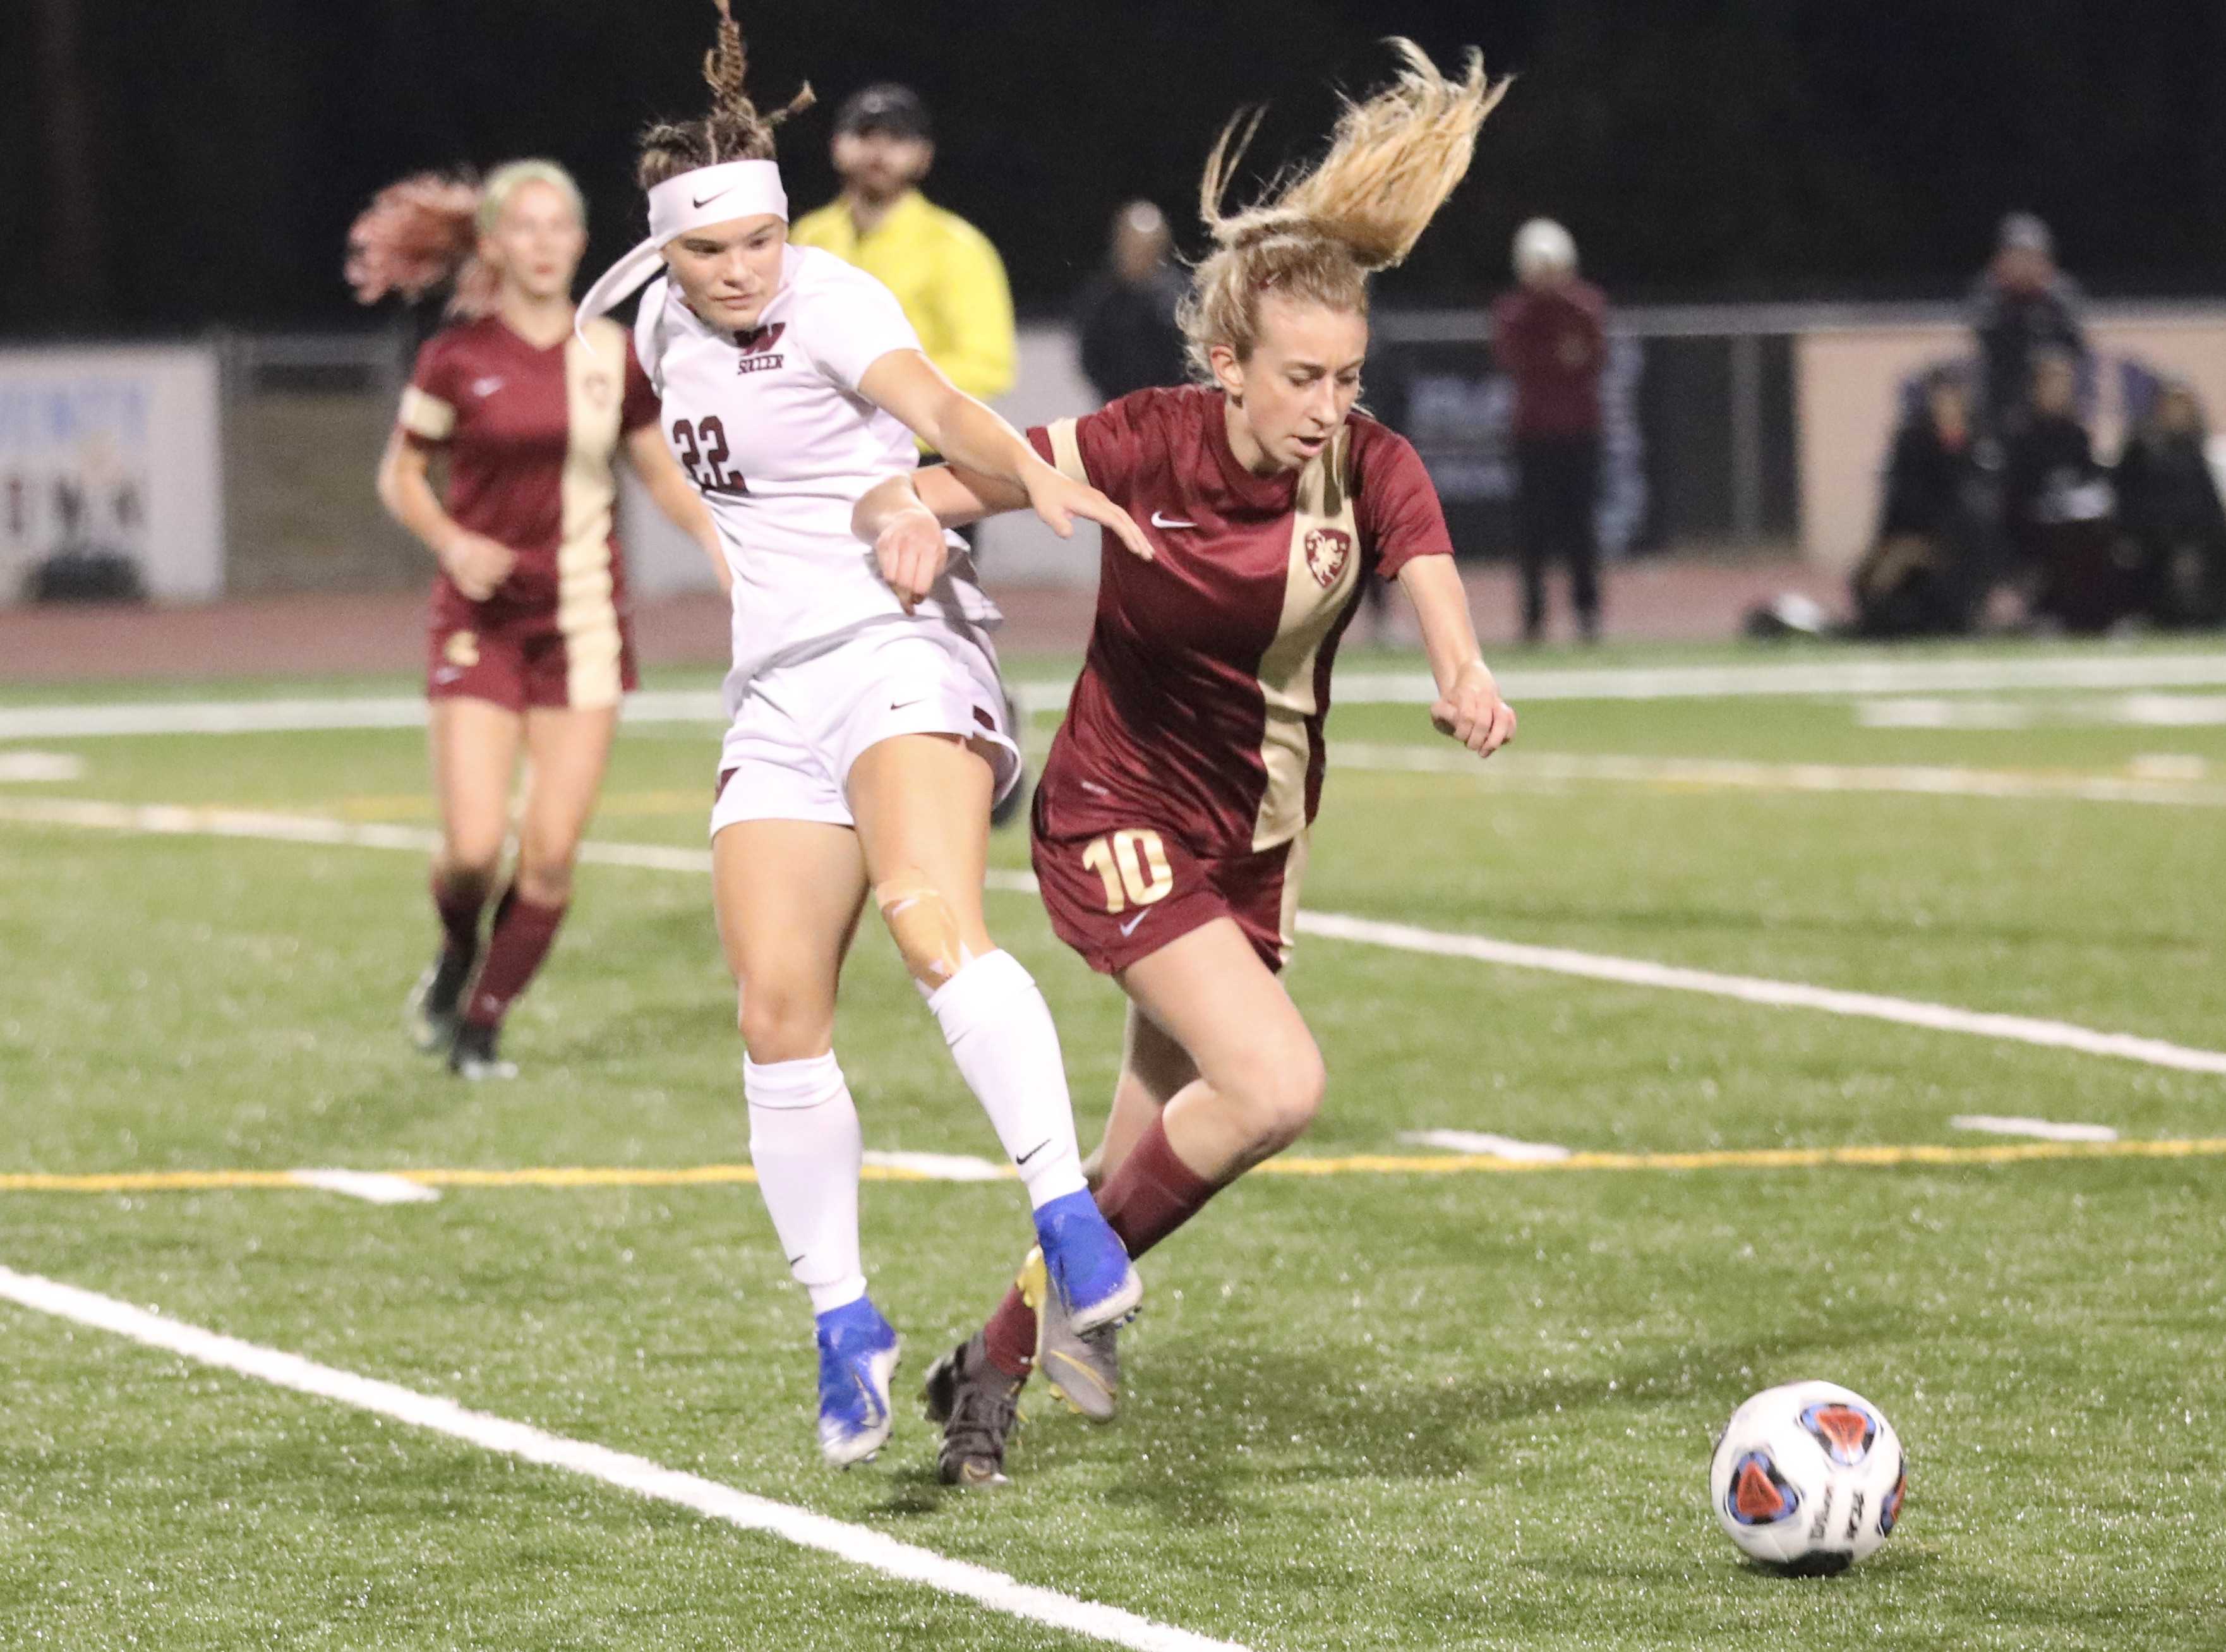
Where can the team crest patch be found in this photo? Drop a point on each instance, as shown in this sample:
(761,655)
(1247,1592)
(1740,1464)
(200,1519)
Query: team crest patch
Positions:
(461,650)
(757,348)
(1327,551)
(1844,1431)
(1758,1494)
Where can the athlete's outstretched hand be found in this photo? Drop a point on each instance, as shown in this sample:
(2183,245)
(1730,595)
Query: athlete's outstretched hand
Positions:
(476,563)
(1472,712)
(912,553)
(1059,499)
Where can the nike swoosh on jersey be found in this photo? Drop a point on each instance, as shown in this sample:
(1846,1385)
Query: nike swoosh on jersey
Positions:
(484,388)
(1129,928)
(1159,521)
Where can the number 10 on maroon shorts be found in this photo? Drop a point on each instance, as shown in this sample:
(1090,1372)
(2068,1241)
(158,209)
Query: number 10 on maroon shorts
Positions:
(1123,894)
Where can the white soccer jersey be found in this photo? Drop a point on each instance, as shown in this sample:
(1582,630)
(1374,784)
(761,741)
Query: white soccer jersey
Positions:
(770,425)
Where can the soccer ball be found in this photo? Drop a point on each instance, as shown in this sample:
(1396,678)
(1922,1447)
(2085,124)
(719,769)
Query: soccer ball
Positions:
(1808,1479)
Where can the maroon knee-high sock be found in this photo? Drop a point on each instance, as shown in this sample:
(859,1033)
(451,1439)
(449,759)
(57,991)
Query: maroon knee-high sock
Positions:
(522,931)
(459,897)
(1150,1195)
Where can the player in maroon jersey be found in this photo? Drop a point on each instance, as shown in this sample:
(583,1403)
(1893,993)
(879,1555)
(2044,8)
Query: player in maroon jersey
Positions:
(1170,828)
(529,651)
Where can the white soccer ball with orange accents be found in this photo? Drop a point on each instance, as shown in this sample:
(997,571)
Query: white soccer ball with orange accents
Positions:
(1808,1479)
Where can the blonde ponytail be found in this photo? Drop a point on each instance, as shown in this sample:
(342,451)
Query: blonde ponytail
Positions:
(1319,234)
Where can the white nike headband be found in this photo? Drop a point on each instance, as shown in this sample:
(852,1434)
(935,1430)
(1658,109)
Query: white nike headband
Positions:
(716,194)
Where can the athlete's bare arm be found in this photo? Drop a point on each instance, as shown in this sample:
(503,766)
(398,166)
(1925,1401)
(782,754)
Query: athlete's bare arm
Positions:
(476,563)
(1468,706)
(908,385)
(676,496)
(903,518)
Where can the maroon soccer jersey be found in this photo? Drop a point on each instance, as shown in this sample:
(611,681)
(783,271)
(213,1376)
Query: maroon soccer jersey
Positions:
(1199,710)
(530,435)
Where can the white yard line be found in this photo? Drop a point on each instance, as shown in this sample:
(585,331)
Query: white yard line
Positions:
(39,767)
(1858,677)
(858,1545)
(1334,926)
(1780,995)
(2122,711)
(1514,767)
(372,1186)
(2043,1130)
(941,1166)
(1484,1141)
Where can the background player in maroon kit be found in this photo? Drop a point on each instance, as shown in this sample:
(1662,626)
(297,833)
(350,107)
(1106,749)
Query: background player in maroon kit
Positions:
(529,650)
(1170,828)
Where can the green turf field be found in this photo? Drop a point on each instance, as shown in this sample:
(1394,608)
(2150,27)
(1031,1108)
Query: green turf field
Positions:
(1372,1408)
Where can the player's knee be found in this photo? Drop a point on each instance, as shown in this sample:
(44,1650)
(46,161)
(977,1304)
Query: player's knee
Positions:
(544,882)
(780,1022)
(925,926)
(1282,1097)
(471,857)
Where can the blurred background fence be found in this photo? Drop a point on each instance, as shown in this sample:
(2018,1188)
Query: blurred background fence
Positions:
(1732,431)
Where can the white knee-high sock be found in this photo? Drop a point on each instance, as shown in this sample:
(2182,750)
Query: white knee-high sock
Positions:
(1001,1034)
(805,1143)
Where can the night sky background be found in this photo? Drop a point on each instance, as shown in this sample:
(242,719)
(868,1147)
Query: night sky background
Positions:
(168,167)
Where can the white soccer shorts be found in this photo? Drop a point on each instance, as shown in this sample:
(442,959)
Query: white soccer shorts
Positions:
(800,725)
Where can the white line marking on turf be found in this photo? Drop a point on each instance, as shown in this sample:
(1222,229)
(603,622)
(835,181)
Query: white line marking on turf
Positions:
(859,1545)
(374,1185)
(1335,927)
(1994,1124)
(941,1166)
(1922,780)
(1484,1141)
(2125,711)
(1782,994)
(41,766)
(1854,676)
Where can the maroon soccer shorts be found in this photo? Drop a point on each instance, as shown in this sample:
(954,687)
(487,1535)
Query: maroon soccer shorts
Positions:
(1124,894)
(532,663)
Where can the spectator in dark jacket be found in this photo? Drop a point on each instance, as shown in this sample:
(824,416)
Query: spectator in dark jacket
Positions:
(1549,336)
(2057,505)
(2169,509)
(1126,315)
(1928,572)
(2023,306)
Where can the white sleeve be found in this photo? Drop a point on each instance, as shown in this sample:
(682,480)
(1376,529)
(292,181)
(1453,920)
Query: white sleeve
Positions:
(649,333)
(848,326)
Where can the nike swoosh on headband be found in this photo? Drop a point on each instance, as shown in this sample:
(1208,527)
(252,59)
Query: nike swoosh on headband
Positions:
(700,204)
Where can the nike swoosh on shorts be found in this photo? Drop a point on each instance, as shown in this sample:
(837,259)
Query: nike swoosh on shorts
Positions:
(1159,521)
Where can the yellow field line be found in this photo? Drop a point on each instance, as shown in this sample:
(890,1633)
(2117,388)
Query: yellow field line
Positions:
(176,1181)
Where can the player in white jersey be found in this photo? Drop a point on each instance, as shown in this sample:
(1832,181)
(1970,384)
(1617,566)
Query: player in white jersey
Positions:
(867,739)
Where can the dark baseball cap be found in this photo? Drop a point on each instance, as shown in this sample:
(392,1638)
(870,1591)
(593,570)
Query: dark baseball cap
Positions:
(886,107)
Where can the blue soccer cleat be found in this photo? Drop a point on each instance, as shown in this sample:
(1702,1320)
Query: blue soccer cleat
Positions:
(1087,1264)
(858,1356)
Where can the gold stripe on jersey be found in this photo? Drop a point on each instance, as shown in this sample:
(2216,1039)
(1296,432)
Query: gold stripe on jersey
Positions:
(1321,520)
(1295,873)
(587,611)
(1066,451)
(427,416)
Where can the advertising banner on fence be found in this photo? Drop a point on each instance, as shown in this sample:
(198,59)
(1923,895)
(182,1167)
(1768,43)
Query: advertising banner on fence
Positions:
(111,472)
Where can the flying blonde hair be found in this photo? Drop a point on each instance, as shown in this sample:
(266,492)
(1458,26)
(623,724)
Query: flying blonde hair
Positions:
(734,129)
(425,229)
(1319,234)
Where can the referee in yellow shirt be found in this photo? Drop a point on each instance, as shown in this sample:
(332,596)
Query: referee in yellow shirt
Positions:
(943,270)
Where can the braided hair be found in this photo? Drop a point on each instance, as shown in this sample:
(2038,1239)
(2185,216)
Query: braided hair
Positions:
(734,129)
